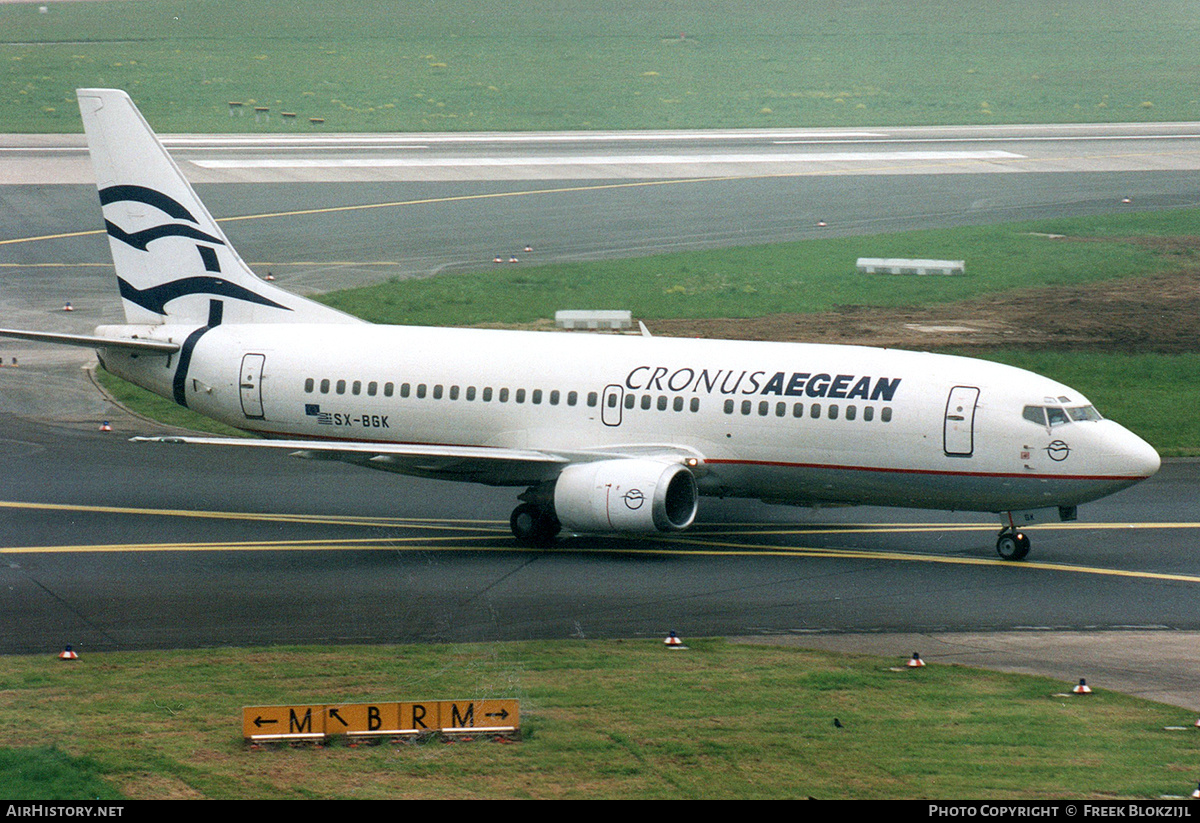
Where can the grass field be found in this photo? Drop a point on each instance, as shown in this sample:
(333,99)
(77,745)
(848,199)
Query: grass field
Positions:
(379,65)
(802,276)
(604,719)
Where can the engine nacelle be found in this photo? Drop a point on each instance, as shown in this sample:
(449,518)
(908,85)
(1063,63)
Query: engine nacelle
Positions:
(631,495)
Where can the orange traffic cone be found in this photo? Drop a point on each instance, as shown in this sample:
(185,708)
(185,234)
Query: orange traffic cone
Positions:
(916,661)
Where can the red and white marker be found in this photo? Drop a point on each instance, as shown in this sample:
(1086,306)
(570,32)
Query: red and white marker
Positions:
(673,642)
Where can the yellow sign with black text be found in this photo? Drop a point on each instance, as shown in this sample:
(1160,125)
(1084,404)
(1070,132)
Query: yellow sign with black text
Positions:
(306,722)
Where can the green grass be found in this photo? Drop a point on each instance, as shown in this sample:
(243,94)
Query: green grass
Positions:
(600,719)
(48,773)
(379,65)
(158,408)
(804,276)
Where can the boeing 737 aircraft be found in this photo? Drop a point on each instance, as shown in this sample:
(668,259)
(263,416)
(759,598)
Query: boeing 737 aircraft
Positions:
(606,433)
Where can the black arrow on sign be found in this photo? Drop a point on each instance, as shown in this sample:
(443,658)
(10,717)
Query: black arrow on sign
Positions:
(502,714)
(261,721)
(334,714)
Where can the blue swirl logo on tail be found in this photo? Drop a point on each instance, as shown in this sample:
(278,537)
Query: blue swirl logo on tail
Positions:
(155,298)
(141,194)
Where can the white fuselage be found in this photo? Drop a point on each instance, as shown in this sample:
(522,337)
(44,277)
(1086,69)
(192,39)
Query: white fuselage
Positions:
(796,423)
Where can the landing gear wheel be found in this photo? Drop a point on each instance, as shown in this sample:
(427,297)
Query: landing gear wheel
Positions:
(1012,545)
(533,525)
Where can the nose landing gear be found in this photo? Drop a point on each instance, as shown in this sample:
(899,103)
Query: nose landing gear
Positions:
(1012,544)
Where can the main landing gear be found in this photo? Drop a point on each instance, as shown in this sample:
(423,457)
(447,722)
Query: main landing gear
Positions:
(1012,544)
(534,525)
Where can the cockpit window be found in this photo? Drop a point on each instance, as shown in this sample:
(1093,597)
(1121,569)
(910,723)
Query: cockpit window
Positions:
(1058,416)
(1084,413)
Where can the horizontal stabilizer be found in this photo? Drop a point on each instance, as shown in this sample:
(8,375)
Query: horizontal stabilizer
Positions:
(92,341)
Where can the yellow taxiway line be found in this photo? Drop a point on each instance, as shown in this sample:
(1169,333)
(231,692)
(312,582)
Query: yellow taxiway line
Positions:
(469,535)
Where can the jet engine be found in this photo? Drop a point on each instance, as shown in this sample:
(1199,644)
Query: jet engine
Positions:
(632,496)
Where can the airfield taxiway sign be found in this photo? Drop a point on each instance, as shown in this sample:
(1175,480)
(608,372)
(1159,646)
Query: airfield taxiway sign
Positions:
(365,719)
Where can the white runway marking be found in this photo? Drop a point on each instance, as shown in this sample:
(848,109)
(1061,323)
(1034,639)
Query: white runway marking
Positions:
(603,160)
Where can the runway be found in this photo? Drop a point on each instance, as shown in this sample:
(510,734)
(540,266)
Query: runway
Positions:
(113,545)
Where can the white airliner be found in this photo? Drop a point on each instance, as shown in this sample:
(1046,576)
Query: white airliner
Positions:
(608,433)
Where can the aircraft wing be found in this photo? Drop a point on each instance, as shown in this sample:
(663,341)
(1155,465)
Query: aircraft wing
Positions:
(478,464)
(91,341)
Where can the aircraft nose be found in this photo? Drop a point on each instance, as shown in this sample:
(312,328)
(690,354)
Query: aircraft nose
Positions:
(1133,455)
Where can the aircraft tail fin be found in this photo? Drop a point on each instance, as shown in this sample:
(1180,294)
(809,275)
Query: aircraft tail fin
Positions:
(173,262)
